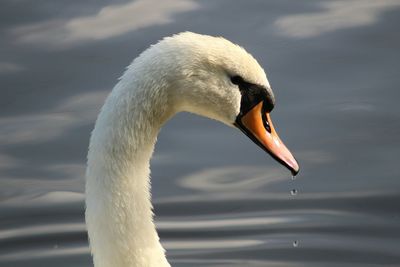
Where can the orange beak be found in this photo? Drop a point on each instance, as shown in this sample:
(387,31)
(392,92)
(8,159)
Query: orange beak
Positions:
(258,126)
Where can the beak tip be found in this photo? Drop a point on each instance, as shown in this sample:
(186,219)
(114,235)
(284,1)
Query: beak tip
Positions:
(294,167)
(295,171)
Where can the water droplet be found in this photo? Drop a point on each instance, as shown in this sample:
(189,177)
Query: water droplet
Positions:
(295,243)
(293,192)
(293,177)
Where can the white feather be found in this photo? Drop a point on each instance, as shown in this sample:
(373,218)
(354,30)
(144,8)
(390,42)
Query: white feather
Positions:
(185,72)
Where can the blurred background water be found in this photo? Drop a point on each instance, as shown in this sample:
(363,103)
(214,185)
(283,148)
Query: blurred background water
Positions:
(219,200)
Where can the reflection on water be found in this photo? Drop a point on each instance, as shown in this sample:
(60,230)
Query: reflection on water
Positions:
(235,228)
(219,200)
(231,179)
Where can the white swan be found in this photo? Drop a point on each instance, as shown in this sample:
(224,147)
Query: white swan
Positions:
(205,75)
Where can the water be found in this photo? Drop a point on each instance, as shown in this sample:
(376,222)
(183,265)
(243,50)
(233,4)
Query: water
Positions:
(220,201)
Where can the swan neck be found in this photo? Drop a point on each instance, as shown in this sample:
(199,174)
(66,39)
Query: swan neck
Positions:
(119,213)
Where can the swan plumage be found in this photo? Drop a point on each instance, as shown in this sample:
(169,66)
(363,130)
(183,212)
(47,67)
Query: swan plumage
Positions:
(206,75)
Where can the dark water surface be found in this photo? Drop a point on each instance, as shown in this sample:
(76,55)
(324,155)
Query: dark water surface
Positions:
(220,200)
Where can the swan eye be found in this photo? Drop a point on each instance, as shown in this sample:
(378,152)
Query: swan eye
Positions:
(236,80)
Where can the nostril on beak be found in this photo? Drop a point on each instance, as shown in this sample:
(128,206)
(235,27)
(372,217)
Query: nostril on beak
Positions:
(267,126)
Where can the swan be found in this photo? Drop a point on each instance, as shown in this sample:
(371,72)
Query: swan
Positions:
(201,74)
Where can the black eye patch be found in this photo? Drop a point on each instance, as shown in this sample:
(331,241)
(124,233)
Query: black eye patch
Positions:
(237,80)
(252,94)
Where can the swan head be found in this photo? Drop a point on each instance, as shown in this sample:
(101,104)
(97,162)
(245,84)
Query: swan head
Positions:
(215,78)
